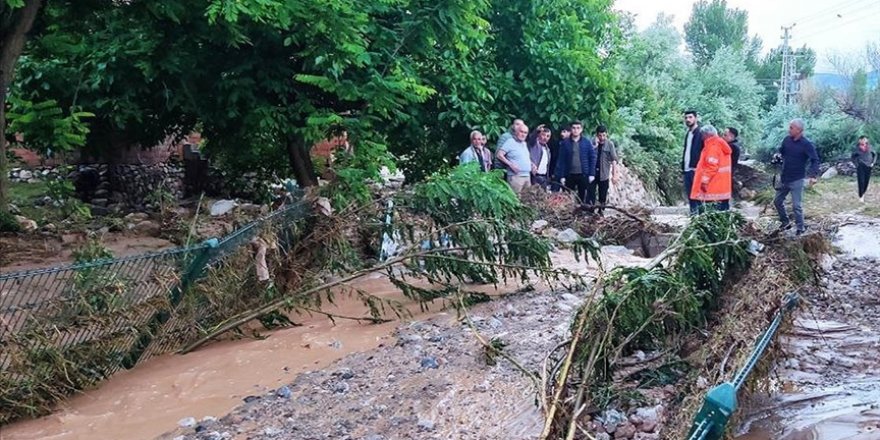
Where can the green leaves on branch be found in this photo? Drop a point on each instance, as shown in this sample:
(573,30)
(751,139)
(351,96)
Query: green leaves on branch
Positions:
(45,126)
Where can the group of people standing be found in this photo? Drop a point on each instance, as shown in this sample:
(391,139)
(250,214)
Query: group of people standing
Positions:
(582,164)
(586,165)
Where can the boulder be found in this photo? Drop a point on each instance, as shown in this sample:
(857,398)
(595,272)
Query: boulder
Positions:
(222,207)
(539,225)
(830,173)
(26,224)
(147,227)
(25,175)
(567,236)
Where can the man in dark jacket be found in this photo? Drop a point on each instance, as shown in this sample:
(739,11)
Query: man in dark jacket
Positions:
(731,136)
(795,151)
(576,167)
(693,147)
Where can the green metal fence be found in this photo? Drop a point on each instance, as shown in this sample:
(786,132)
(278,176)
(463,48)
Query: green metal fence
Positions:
(720,402)
(76,325)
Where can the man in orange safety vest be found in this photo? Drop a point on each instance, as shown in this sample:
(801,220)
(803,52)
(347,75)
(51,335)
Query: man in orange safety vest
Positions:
(712,182)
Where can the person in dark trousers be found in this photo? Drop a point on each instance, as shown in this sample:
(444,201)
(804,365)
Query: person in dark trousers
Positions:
(564,133)
(576,167)
(864,158)
(731,136)
(693,147)
(795,151)
(606,157)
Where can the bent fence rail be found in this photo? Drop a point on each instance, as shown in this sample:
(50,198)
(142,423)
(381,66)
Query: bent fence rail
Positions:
(63,329)
(720,402)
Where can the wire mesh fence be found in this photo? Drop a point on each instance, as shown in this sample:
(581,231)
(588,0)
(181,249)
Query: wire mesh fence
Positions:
(63,329)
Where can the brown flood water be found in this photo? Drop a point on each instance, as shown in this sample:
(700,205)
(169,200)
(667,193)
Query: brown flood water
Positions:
(149,400)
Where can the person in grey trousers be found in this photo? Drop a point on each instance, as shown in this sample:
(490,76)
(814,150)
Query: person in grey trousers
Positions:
(794,152)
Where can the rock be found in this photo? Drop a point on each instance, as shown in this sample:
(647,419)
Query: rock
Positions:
(99,211)
(625,431)
(14,210)
(603,436)
(188,422)
(136,217)
(100,202)
(250,399)
(494,323)
(272,431)
(539,225)
(341,387)
(283,392)
(827,262)
(26,224)
(430,362)
(222,207)
(147,227)
(612,419)
(50,227)
(649,418)
(855,283)
(830,173)
(426,425)
(25,175)
(747,194)
(567,236)
(102,193)
(209,419)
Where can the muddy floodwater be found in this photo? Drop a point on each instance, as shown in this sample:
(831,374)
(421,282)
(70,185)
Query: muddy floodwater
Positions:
(151,399)
(828,386)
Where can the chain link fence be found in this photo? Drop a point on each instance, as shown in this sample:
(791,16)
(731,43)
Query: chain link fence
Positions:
(64,329)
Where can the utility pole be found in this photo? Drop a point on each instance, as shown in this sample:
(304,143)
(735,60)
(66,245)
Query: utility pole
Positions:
(787,79)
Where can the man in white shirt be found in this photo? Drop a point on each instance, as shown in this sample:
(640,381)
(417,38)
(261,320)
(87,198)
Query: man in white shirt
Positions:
(540,156)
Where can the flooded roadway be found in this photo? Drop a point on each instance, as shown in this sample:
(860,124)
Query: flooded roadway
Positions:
(150,400)
(828,387)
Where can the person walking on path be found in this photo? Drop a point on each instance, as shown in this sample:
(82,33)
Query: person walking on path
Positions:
(540,155)
(693,146)
(576,167)
(794,152)
(712,186)
(477,152)
(731,136)
(864,158)
(606,172)
(514,154)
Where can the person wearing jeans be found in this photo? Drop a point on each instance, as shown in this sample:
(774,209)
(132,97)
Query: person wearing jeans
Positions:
(864,160)
(576,167)
(606,157)
(795,151)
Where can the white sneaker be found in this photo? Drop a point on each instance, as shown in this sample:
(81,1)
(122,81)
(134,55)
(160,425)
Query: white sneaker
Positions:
(862,199)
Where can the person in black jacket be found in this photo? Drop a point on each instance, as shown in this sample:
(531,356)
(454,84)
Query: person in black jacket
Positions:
(731,136)
(693,147)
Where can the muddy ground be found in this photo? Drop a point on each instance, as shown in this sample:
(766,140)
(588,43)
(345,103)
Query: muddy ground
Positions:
(828,387)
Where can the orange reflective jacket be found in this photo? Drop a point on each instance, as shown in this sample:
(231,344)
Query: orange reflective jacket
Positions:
(713,171)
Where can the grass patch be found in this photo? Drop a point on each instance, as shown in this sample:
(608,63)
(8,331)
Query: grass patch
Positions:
(839,195)
(23,195)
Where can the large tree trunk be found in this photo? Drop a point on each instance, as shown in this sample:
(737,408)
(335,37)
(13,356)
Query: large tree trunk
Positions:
(12,37)
(301,162)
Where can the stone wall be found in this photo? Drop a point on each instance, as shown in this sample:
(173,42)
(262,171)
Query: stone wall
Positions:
(630,191)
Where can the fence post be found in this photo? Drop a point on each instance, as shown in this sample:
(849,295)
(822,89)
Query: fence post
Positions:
(194,270)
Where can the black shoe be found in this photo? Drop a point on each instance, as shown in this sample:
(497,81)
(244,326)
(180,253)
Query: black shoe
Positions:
(801,232)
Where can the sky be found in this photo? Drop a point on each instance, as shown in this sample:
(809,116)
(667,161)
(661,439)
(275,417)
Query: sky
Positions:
(830,27)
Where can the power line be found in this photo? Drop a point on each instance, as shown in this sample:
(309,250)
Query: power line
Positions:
(839,9)
(835,26)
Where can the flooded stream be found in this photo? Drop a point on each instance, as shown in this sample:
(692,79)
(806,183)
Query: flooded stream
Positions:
(150,400)
(828,387)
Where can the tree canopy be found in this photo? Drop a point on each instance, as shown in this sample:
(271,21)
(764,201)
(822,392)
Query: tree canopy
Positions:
(713,25)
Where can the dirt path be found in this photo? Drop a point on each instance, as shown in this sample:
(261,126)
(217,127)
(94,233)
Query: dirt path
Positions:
(829,387)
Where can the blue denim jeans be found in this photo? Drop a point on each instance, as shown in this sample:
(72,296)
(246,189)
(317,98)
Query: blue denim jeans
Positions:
(688,179)
(796,189)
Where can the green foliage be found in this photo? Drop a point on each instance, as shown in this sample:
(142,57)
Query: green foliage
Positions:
(8,223)
(642,307)
(833,132)
(63,194)
(44,125)
(713,26)
(768,70)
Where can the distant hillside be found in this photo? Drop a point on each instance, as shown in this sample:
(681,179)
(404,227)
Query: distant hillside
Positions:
(837,81)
